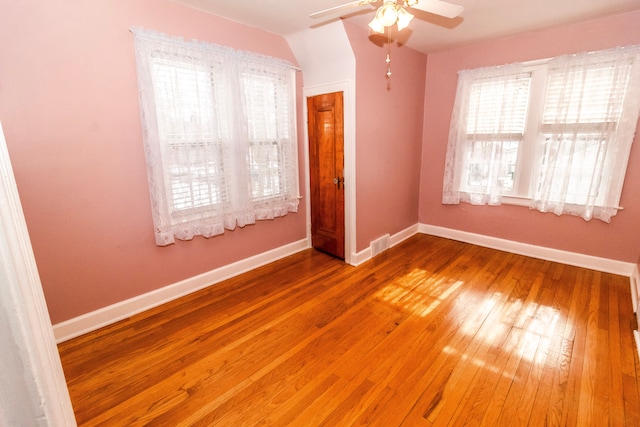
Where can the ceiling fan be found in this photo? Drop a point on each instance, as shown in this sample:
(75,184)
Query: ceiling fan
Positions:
(392,11)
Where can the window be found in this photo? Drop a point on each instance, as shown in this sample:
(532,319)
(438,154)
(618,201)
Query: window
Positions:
(555,134)
(219,135)
(266,153)
(189,134)
(495,128)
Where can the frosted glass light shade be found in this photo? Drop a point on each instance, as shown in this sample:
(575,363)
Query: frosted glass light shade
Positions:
(404,18)
(387,14)
(376,25)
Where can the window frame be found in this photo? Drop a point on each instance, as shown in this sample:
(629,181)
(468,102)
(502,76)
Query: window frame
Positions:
(530,151)
(503,137)
(224,196)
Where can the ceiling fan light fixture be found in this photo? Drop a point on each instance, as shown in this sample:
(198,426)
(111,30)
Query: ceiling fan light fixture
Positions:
(376,25)
(404,18)
(388,13)
(393,12)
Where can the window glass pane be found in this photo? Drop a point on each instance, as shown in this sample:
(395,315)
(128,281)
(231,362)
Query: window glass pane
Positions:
(495,127)
(498,106)
(195,174)
(267,102)
(265,167)
(492,161)
(576,167)
(583,105)
(261,97)
(190,134)
(183,100)
(592,95)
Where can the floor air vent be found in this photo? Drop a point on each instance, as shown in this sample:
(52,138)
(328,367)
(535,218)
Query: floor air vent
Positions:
(379,245)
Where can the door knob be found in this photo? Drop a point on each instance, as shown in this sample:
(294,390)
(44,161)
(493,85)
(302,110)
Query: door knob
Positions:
(337,181)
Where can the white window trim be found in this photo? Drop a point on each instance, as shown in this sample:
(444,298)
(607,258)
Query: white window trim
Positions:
(240,206)
(530,148)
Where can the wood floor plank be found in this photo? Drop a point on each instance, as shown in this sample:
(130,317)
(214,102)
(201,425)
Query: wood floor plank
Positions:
(576,331)
(479,361)
(431,332)
(477,355)
(551,369)
(448,353)
(616,393)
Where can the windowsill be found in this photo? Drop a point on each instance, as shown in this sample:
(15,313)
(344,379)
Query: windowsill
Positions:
(526,202)
(516,201)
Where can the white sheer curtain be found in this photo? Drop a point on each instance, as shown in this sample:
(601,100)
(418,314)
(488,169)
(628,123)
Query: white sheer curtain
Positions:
(588,125)
(271,134)
(219,135)
(486,130)
(555,132)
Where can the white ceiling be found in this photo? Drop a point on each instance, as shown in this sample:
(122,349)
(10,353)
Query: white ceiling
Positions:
(481,19)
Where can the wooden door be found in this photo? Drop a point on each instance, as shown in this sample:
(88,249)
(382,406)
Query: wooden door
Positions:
(326,167)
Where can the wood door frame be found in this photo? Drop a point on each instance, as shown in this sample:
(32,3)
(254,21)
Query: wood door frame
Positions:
(347,88)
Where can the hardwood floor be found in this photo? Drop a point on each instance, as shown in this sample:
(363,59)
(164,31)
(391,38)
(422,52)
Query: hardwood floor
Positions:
(431,332)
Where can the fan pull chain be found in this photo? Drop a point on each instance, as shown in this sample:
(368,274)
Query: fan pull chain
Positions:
(388,54)
(388,66)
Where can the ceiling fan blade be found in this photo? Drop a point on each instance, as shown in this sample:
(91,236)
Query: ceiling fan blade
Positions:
(438,7)
(337,8)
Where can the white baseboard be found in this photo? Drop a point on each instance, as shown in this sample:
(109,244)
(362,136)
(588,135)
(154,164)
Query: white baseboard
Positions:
(91,321)
(635,291)
(107,315)
(365,255)
(635,287)
(571,258)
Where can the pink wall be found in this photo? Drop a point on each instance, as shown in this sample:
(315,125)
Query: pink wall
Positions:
(69,107)
(388,136)
(618,240)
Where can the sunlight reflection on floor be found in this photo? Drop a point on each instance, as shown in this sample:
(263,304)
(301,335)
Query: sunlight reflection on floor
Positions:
(418,293)
(523,329)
